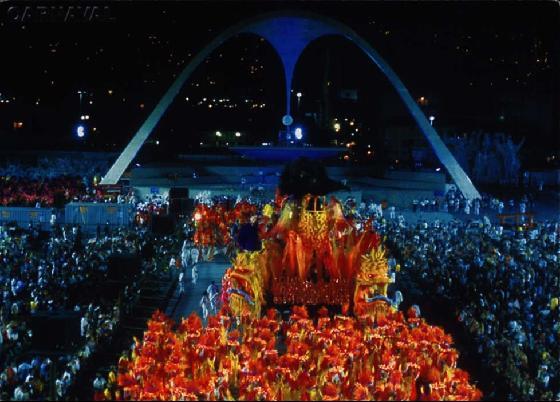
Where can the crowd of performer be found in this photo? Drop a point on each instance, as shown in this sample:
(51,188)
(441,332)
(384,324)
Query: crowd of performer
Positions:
(327,358)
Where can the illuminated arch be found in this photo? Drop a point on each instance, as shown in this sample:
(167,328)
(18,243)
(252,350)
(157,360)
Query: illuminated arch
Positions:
(290,33)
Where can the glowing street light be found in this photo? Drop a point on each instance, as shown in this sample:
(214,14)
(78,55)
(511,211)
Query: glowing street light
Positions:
(298,95)
(431,118)
(80,131)
(337,127)
(298,133)
(218,134)
(238,134)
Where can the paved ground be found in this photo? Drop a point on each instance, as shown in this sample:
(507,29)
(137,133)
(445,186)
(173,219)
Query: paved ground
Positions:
(183,305)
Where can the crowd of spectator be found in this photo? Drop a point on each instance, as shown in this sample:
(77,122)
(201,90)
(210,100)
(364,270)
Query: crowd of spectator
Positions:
(45,192)
(505,288)
(62,274)
(153,204)
(50,167)
(455,202)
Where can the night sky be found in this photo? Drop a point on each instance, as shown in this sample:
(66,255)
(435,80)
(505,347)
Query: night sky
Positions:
(492,66)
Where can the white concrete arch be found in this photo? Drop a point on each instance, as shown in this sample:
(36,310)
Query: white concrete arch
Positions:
(290,33)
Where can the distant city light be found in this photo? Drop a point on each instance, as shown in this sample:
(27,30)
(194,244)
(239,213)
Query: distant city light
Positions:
(337,127)
(298,133)
(218,134)
(238,134)
(157,142)
(80,131)
(438,169)
(298,94)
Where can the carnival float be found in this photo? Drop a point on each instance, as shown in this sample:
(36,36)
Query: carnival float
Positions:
(344,338)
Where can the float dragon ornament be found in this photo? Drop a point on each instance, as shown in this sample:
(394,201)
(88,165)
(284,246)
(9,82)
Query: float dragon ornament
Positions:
(372,281)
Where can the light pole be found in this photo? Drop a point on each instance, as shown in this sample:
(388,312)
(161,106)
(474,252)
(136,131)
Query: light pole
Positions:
(298,95)
(80,93)
(431,118)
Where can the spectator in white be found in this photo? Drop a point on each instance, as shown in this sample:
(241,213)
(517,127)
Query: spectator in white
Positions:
(204,305)
(185,254)
(468,207)
(212,291)
(172,264)
(84,326)
(477,207)
(501,207)
(74,365)
(20,394)
(522,210)
(398,299)
(53,218)
(392,212)
(194,274)
(99,383)
(194,255)
(181,283)
(60,388)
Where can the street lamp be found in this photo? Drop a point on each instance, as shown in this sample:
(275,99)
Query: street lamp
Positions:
(80,93)
(431,118)
(238,134)
(80,131)
(298,133)
(298,95)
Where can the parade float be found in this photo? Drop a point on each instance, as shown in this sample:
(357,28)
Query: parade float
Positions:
(344,339)
(313,256)
(213,220)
